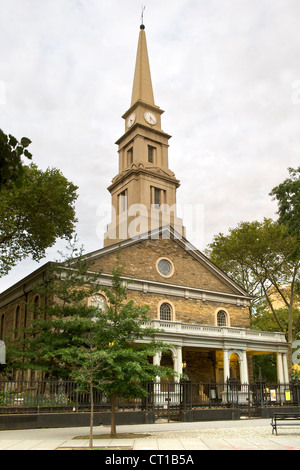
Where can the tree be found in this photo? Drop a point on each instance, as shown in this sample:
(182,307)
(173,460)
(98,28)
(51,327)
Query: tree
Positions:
(63,337)
(131,344)
(105,350)
(11,165)
(34,215)
(54,324)
(261,257)
(287,194)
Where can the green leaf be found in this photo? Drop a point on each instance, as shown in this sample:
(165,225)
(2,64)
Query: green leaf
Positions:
(25,141)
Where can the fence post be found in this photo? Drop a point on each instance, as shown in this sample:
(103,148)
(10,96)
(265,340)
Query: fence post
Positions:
(77,401)
(249,400)
(38,396)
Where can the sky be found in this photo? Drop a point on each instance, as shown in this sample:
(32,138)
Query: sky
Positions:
(226,73)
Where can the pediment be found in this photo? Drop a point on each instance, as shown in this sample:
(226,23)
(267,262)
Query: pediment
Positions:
(192,269)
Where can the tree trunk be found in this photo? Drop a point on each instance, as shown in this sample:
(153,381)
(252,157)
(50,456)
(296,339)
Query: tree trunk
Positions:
(113,430)
(91,416)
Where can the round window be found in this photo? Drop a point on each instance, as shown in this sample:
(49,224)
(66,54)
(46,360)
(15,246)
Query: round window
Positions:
(165,267)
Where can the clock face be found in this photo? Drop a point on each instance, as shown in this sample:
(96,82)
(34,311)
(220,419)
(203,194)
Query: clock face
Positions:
(131,120)
(150,118)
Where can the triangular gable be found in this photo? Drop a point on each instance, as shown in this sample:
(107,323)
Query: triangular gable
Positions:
(144,258)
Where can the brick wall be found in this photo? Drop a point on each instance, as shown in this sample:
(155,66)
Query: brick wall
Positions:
(139,261)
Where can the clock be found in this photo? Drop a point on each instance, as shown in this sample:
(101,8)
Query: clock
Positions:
(150,118)
(131,120)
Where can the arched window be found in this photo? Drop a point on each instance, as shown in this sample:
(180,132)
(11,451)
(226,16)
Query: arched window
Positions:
(98,301)
(221,318)
(165,311)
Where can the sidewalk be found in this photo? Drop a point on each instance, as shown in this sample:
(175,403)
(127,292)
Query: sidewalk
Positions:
(253,434)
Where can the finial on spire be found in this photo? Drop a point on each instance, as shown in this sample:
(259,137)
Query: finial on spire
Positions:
(142,18)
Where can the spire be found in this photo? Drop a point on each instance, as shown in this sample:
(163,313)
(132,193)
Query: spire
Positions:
(142,84)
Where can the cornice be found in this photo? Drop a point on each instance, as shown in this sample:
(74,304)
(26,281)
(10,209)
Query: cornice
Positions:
(135,170)
(162,288)
(138,125)
(25,285)
(143,104)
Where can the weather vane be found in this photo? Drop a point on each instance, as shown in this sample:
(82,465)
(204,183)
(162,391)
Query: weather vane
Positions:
(142,15)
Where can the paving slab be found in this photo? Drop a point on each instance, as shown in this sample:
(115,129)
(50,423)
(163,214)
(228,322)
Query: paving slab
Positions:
(122,442)
(47,445)
(289,443)
(241,444)
(27,444)
(267,444)
(75,443)
(193,444)
(217,444)
(169,444)
(145,444)
(5,444)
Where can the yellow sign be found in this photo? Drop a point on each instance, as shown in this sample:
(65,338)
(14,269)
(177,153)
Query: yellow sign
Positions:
(287,395)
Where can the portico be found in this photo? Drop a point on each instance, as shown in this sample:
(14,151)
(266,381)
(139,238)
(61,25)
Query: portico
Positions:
(230,346)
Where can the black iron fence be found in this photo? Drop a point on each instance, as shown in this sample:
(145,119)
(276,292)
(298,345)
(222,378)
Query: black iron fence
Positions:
(191,395)
(63,395)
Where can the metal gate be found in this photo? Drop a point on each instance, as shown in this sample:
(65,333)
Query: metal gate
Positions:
(165,399)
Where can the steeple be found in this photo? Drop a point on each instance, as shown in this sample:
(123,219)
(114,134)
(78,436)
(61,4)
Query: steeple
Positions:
(144,190)
(142,84)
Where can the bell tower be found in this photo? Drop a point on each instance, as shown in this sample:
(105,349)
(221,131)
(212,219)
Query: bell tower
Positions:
(144,191)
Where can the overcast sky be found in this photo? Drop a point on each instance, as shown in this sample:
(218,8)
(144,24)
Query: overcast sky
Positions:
(226,73)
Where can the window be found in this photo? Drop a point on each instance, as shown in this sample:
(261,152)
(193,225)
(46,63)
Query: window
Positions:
(151,153)
(221,318)
(165,267)
(98,301)
(156,197)
(165,311)
(122,201)
(130,156)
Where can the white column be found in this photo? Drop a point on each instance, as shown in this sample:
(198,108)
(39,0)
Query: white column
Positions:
(178,363)
(280,377)
(285,368)
(226,365)
(156,362)
(156,359)
(244,368)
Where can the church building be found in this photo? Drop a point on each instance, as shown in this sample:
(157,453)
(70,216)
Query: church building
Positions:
(201,311)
